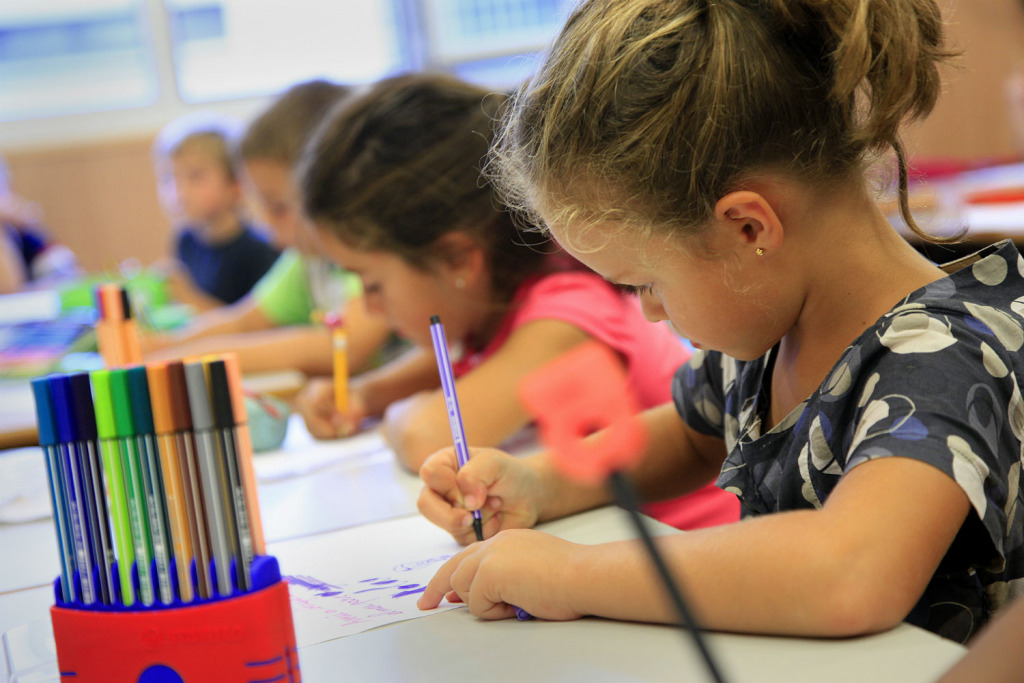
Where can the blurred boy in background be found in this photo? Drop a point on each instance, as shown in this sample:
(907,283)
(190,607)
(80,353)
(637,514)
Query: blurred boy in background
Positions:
(221,256)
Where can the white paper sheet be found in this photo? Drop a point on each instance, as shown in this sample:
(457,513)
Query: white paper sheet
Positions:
(349,581)
(41,304)
(345,582)
(24,492)
(295,461)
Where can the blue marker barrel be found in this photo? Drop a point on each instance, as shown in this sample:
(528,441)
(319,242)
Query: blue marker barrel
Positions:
(71,473)
(58,497)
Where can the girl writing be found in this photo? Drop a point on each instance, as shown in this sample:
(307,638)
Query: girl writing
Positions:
(392,183)
(862,402)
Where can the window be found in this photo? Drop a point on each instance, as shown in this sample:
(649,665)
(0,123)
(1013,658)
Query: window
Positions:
(465,30)
(240,48)
(73,56)
(492,42)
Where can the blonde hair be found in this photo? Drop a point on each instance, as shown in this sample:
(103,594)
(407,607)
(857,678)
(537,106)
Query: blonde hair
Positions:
(280,132)
(209,133)
(649,111)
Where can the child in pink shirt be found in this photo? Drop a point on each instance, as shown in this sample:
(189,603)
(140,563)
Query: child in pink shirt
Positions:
(651,354)
(391,182)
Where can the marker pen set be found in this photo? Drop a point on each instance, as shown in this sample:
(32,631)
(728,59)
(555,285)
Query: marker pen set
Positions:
(154,502)
(116,334)
(146,477)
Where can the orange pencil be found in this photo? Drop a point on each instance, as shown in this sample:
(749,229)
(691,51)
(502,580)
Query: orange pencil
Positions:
(339,348)
(339,344)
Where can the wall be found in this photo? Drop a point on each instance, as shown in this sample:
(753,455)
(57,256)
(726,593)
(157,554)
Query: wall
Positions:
(98,199)
(972,118)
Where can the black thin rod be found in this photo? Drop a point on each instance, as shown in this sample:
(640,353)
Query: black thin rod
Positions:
(626,498)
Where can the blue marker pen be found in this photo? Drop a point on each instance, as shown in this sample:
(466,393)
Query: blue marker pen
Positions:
(451,402)
(71,473)
(58,498)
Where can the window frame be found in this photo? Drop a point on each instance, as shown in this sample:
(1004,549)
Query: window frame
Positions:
(415,20)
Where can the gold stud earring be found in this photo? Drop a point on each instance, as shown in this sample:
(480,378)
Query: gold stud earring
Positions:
(459,283)
(759,251)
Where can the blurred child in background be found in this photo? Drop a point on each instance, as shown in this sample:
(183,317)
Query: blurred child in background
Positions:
(271,328)
(220,254)
(28,256)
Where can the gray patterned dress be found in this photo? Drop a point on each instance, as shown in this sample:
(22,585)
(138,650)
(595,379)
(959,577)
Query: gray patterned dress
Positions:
(939,379)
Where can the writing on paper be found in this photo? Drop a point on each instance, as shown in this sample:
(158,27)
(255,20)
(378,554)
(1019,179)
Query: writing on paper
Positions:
(325,608)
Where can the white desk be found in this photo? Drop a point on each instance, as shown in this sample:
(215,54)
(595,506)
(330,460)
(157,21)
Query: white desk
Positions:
(454,646)
(17,414)
(451,646)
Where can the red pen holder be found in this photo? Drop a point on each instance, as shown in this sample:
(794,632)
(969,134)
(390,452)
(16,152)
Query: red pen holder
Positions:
(247,637)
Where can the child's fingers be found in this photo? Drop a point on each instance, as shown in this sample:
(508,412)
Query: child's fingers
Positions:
(490,610)
(346,424)
(438,473)
(475,480)
(492,523)
(320,427)
(441,583)
(439,511)
(316,405)
(461,575)
(319,419)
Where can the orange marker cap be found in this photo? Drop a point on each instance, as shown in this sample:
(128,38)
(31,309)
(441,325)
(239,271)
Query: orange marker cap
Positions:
(160,397)
(113,302)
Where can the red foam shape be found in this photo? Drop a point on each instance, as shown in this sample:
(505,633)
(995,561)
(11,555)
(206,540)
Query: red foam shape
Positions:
(577,394)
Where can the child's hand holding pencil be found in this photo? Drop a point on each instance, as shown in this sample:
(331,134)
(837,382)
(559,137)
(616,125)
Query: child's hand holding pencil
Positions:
(504,488)
(329,407)
(318,407)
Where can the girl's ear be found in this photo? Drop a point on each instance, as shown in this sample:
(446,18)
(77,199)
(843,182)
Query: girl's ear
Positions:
(750,221)
(459,253)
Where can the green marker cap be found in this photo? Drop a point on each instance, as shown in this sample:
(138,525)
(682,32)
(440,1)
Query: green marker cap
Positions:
(138,388)
(103,400)
(124,423)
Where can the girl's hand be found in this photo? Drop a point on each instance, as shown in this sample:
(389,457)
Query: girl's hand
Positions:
(398,414)
(316,405)
(505,490)
(522,568)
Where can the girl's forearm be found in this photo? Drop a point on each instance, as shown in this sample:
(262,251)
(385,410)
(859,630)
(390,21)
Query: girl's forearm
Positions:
(558,496)
(735,578)
(412,372)
(845,569)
